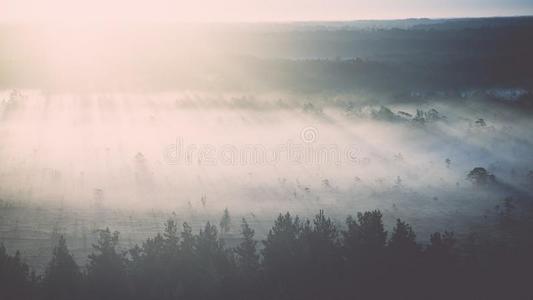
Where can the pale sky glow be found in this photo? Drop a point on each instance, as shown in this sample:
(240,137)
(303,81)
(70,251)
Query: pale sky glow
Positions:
(67,11)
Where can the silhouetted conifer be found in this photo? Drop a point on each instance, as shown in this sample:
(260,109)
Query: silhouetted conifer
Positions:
(62,277)
(106,270)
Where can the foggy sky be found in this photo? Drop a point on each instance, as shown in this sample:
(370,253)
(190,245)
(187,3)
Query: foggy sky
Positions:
(65,11)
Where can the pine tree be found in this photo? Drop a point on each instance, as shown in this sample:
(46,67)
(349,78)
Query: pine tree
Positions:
(187,240)
(16,282)
(225,222)
(247,256)
(212,259)
(171,238)
(323,245)
(366,233)
(106,271)
(208,246)
(364,243)
(282,245)
(403,261)
(403,240)
(284,261)
(321,255)
(441,245)
(62,276)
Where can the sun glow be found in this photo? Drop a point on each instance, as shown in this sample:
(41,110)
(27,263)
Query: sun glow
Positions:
(67,12)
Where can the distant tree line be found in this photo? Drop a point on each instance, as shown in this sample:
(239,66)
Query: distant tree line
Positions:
(451,56)
(299,259)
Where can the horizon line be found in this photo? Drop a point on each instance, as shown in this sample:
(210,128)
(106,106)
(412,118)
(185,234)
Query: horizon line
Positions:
(257,22)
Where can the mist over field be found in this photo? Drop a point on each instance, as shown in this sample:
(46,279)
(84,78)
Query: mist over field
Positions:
(128,126)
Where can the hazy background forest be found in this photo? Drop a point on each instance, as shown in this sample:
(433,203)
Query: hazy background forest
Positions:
(127,127)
